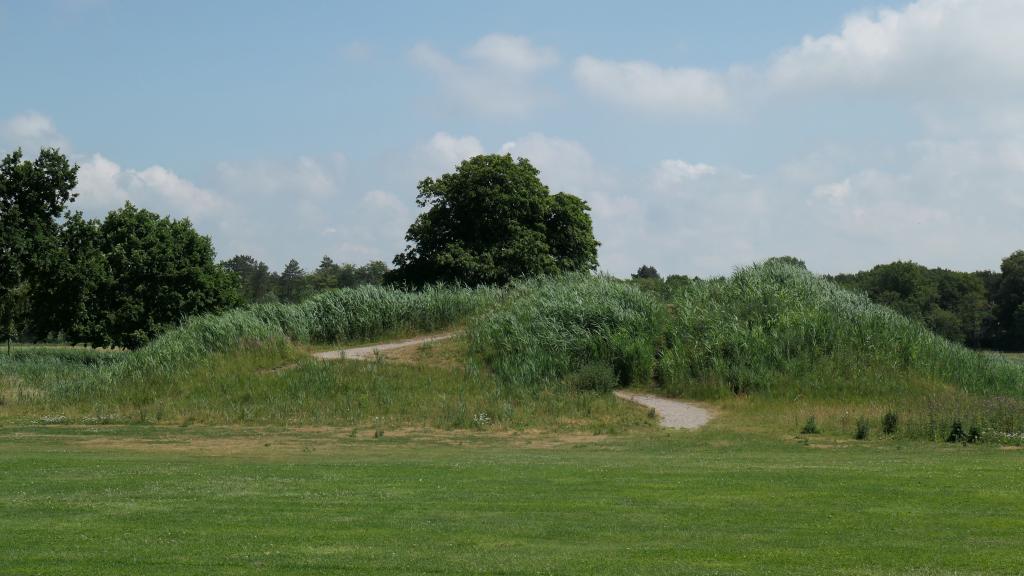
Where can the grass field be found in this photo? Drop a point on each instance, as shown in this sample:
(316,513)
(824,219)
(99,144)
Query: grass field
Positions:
(171,500)
(224,448)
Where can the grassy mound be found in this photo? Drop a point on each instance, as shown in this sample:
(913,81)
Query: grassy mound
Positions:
(773,332)
(776,329)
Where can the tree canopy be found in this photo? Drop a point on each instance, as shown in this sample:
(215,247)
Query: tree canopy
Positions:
(492,220)
(120,281)
(953,304)
(32,195)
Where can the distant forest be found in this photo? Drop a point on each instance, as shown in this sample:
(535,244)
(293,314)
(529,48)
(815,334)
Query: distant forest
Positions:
(258,284)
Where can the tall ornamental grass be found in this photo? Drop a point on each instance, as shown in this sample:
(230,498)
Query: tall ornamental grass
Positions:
(334,316)
(548,328)
(774,327)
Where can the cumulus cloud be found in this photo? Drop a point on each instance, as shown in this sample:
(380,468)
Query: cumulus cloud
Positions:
(673,172)
(652,88)
(302,179)
(32,131)
(565,165)
(512,53)
(104,185)
(834,192)
(930,51)
(495,76)
(928,45)
(444,151)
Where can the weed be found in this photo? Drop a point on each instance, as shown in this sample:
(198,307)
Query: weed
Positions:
(863,429)
(810,426)
(974,434)
(956,433)
(890,423)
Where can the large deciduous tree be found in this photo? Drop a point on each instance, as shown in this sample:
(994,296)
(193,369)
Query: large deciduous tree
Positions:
(33,194)
(492,220)
(121,281)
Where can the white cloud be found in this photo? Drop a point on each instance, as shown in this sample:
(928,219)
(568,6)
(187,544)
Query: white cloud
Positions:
(934,53)
(512,53)
(32,131)
(928,45)
(673,172)
(105,185)
(565,165)
(834,192)
(304,178)
(444,151)
(648,87)
(495,77)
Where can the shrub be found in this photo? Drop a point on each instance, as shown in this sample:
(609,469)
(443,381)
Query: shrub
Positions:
(890,423)
(810,427)
(974,434)
(956,433)
(863,428)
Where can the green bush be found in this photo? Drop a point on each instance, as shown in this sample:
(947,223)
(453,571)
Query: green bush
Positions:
(956,433)
(890,423)
(811,426)
(863,429)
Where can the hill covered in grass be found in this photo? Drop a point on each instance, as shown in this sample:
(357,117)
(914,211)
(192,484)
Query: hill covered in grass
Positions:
(770,331)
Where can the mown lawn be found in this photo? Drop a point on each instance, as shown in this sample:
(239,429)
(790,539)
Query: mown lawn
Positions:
(208,500)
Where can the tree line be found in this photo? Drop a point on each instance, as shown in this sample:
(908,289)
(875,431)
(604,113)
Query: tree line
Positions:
(983,309)
(257,284)
(121,280)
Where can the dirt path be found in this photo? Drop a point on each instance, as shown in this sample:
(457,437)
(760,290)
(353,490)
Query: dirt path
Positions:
(370,352)
(671,413)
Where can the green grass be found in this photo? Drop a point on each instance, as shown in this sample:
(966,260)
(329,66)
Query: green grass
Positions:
(771,330)
(151,500)
(283,385)
(548,328)
(774,329)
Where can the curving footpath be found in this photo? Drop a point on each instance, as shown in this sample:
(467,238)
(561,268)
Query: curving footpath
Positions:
(370,352)
(671,413)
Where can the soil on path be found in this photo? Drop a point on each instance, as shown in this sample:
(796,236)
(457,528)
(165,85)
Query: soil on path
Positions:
(370,352)
(671,413)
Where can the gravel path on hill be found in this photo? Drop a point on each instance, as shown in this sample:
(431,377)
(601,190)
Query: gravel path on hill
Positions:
(671,413)
(370,352)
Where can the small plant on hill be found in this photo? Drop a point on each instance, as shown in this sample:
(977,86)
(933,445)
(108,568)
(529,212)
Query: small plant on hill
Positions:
(956,433)
(811,426)
(863,428)
(974,434)
(890,423)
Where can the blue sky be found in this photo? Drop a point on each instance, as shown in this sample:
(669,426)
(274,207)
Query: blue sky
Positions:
(704,135)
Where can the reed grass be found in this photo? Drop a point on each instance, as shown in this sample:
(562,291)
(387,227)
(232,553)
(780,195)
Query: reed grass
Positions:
(776,329)
(548,328)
